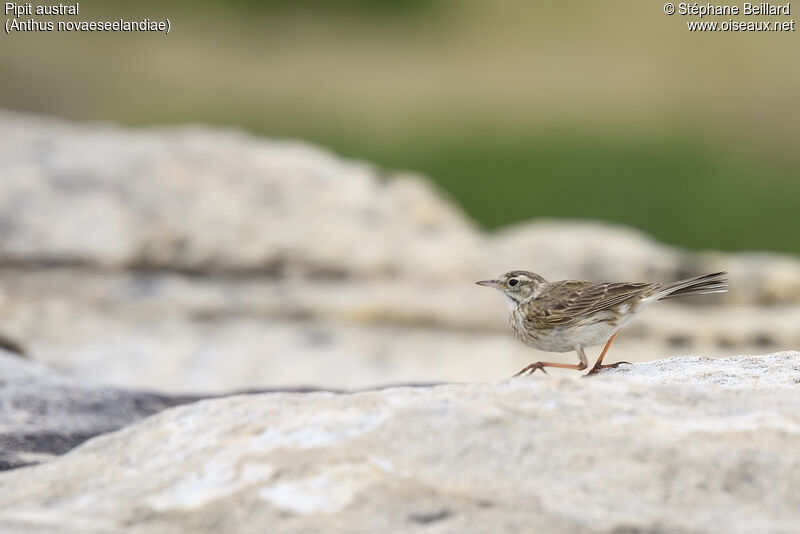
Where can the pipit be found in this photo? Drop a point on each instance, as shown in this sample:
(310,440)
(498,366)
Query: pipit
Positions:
(572,314)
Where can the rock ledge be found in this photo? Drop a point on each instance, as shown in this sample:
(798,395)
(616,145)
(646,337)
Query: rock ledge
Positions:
(712,446)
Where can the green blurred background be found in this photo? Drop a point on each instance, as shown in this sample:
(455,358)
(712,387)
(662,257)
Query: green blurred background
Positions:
(578,109)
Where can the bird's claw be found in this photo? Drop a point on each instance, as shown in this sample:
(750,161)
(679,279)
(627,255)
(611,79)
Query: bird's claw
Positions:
(530,369)
(596,369)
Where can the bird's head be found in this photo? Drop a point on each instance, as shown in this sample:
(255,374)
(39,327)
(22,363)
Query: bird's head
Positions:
(517,286)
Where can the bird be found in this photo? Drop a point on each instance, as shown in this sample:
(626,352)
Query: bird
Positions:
(570,315)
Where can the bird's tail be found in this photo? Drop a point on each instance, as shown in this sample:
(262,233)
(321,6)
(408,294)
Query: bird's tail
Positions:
(699,285)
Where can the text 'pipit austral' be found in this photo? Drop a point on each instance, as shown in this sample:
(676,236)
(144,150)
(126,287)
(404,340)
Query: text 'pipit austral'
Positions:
(572,314)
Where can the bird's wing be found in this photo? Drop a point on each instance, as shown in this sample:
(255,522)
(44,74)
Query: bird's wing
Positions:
(568,301)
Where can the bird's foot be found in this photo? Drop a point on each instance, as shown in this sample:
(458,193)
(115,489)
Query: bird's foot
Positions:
(597,368)
(530,369)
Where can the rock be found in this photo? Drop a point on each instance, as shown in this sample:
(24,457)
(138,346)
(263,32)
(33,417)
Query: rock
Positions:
(208,201)
(585,251)
(9,345)
(770,371)
(683,445)
(43,414)
(761,278)
(597,250)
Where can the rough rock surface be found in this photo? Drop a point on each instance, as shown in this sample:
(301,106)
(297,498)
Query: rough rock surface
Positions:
(198,260)
(44,414)
(681,445)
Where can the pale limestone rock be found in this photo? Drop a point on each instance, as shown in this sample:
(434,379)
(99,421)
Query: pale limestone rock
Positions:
(199,200)
(683,445)
(560,250)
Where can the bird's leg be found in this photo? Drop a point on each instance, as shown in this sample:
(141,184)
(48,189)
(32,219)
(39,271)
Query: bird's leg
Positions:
(599,363)
(541,365)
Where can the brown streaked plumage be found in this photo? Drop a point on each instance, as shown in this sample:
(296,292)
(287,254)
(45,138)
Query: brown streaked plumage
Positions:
(571,314)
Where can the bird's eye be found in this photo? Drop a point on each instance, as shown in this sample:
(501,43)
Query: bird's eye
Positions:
(513,282)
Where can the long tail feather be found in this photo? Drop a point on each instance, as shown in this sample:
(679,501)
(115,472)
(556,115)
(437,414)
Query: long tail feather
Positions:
(700,285)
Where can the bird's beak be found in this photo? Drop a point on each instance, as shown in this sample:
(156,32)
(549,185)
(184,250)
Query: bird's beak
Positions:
(491,283)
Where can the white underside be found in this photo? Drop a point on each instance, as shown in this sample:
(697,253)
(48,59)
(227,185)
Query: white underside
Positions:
(566,339)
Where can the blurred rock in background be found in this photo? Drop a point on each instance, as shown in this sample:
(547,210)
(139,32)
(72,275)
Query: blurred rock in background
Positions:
(197,260)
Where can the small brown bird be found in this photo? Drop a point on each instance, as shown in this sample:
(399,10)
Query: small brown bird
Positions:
(572,314)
